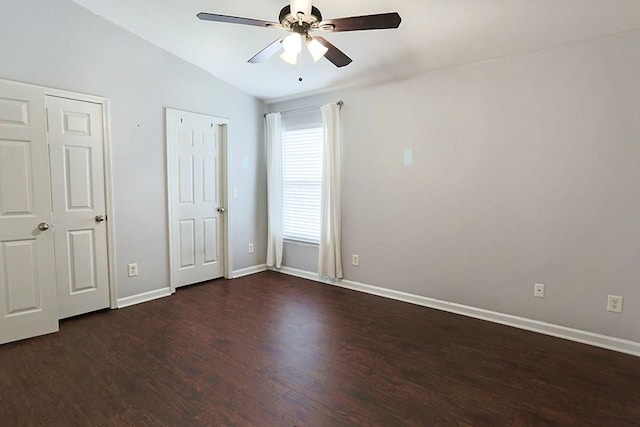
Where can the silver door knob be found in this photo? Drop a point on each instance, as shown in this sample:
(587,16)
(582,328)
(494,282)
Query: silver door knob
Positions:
(100,218)
(221,210)
(43,226)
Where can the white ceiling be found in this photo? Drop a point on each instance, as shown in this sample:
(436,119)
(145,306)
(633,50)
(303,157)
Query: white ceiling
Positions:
(434,34)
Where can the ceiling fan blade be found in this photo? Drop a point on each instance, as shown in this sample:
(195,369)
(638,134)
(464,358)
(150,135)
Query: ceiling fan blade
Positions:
(334,55)
(237,20)
(366,22)
(267,52)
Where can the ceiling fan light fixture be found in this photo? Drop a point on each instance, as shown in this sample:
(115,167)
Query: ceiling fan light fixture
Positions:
(316,49)
(289,57)
(292,45)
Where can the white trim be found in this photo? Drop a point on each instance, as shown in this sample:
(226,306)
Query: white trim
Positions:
(75,96)
(571,334)
(247,271)
(225,153)
(108,181)
(226,199)
(168,186)
(144,297)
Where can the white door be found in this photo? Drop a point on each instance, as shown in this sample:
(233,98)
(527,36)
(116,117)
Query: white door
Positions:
(195,177)
(76,141)
(28,305)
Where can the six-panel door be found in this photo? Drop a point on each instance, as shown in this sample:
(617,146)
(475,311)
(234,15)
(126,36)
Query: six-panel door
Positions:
(195,179)
(76,140)
(28,305)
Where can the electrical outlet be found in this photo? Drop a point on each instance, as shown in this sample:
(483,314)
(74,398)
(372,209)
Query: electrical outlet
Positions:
(614,304)
(538,290)
(132,269)
(250,248)
(355,260)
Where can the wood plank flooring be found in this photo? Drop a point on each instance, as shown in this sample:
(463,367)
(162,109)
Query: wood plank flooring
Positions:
(275,350)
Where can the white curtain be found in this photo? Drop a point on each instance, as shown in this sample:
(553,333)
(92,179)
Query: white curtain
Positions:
(274,190)
(330,252)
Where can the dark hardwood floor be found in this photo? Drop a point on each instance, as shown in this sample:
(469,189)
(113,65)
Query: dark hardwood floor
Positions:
(274,350)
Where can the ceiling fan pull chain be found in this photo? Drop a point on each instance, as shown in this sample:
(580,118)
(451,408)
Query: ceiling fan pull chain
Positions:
(300,67)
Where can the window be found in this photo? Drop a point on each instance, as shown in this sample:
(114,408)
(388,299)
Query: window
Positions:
(302,183)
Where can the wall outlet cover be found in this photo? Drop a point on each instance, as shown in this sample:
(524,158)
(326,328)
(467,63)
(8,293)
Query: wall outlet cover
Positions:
(132,269)
(538,290)
(614,304)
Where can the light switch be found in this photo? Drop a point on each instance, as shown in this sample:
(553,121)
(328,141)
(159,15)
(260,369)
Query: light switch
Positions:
(408,156)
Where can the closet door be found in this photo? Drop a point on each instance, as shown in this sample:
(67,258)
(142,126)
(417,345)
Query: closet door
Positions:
(76,146)
(28,304)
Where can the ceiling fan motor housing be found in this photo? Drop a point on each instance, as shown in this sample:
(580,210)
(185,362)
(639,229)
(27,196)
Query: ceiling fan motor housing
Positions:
(303,25)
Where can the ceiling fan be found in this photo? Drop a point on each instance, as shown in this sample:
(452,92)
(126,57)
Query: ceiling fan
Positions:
(300,17)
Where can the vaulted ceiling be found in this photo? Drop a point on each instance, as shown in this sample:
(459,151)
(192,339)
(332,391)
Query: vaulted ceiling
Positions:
(434,34)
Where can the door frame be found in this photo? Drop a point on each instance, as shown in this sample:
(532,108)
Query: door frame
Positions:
(225,125)
(108,180)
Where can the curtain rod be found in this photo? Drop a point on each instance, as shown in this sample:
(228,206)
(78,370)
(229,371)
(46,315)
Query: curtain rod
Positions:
(339,103)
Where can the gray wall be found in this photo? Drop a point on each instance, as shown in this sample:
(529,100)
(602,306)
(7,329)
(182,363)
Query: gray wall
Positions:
(526,170)
(61,45)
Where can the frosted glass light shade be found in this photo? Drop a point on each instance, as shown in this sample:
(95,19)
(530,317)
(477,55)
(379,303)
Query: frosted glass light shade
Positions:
(289,57)
(316,49)
(292,43)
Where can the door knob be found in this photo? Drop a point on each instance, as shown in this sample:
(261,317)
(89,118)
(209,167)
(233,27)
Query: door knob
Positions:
(100,218)
(43,226)
(221,210)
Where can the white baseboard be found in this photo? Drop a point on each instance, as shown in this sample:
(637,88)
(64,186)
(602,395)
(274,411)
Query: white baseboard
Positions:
(597,340)
(247,271)
(145,297)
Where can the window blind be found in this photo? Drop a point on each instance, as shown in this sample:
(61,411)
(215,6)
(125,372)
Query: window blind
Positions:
(302,183)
